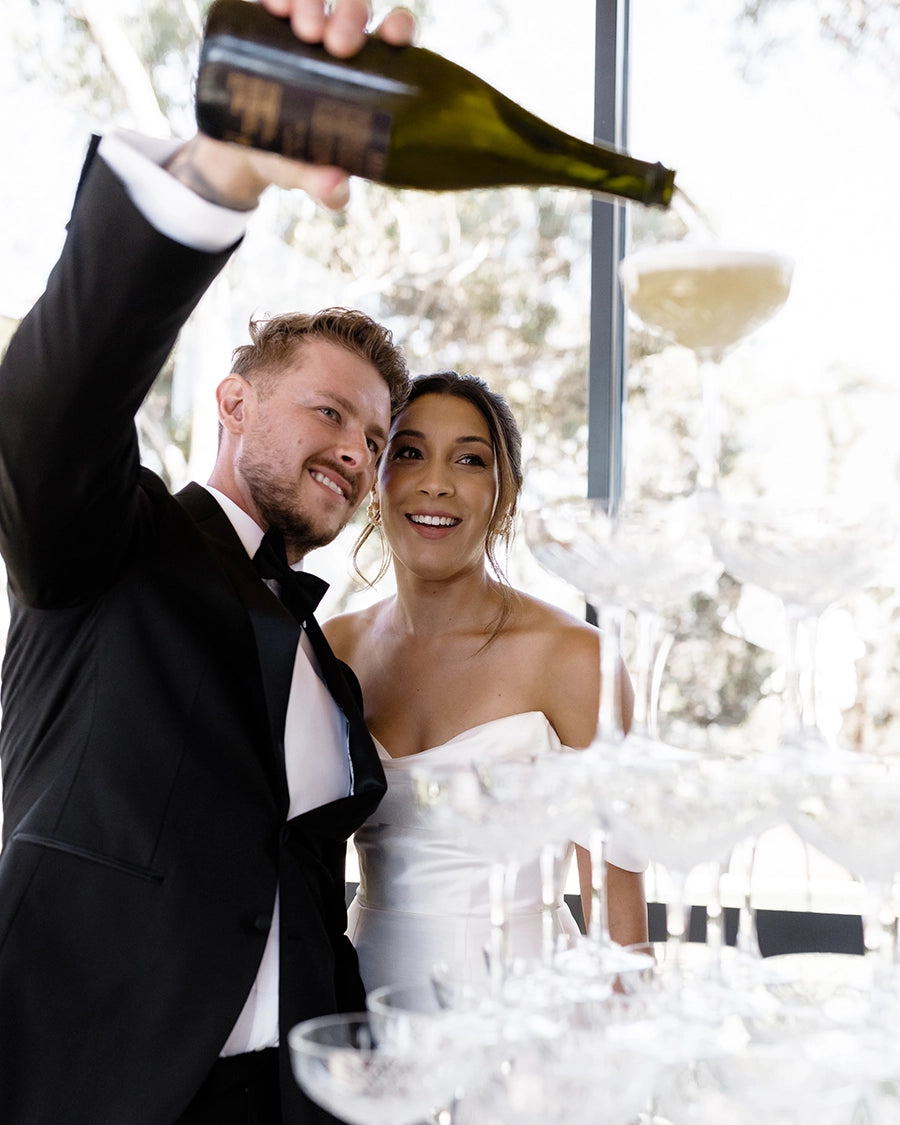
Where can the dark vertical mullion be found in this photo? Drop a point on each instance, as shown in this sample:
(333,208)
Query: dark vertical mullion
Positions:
(606,374)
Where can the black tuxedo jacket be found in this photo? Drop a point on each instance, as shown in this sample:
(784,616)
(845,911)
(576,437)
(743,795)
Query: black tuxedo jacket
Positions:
(144,690)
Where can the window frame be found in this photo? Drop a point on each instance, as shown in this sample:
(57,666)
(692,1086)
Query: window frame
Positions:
(609,233)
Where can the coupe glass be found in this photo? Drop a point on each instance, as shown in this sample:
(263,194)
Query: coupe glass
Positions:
(593,964)
(409,1017)
(707,298)
(510,1049)
(511,811)
(770,1082)
(585,1076)
(848,807)
(646,557)
(691,809)
(788,1049)
(806,506)
(343,1066)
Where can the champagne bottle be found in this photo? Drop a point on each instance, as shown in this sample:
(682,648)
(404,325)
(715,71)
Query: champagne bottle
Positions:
(401,116)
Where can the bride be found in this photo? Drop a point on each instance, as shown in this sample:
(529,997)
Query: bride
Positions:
(459,666)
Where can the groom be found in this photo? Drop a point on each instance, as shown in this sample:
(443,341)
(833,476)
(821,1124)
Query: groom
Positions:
(183,757)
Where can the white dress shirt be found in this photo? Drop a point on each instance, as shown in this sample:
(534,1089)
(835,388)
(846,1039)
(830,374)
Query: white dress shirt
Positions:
(165,202)
(317,761)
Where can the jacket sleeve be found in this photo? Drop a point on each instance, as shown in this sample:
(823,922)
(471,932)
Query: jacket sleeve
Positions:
(72,380)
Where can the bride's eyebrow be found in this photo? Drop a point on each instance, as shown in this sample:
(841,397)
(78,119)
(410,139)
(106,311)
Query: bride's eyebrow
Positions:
(464,440)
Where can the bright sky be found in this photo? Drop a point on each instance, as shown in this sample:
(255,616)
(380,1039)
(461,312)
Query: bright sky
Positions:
(806,163)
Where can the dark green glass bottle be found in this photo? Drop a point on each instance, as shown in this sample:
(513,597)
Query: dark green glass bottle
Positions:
(401,116)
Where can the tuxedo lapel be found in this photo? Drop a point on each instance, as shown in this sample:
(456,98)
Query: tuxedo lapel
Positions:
(277,635)
(276,631)
(368,775)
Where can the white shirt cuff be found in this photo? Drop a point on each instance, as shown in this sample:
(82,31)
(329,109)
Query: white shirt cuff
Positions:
(166,203)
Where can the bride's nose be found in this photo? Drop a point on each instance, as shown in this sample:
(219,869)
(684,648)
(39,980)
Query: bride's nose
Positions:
(436,479)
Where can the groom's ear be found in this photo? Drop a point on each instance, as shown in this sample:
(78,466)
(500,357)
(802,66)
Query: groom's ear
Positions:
(231,399)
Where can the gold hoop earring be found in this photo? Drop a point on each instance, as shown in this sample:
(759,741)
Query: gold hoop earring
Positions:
(373,512)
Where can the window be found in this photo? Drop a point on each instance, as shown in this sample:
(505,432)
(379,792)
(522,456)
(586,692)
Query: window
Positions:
(781,119)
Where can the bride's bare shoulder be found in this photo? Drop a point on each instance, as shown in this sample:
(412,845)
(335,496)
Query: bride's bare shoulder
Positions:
(346,631)
(556,627)
(563,653)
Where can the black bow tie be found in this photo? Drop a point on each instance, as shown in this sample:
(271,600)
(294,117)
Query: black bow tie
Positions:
(300,592)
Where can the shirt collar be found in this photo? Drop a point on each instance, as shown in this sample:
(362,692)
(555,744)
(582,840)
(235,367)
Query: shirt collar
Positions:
(247,529)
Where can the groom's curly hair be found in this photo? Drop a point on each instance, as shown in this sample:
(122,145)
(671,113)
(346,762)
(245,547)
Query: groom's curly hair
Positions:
(274,342)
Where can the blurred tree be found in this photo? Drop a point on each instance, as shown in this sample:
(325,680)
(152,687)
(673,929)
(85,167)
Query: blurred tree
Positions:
(867,29)
(495,282)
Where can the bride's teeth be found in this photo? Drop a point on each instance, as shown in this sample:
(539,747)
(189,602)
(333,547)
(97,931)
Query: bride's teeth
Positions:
(328,482)
(435,521)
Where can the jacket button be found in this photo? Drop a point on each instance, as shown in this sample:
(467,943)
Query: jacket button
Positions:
(262,923)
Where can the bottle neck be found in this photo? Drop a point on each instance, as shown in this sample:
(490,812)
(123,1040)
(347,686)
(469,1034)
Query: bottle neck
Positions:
(572,162)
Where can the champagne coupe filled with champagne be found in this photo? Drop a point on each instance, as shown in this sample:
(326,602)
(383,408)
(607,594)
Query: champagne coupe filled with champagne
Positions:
(707,298)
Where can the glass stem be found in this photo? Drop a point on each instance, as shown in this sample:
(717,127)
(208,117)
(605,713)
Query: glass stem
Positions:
(647,629)
(598,929)
(610,710)
(549,860)
(747,940)
(659,665)
(800,721)
(676,923)
(715,921)
(501,887)
(710,431)
(880,931)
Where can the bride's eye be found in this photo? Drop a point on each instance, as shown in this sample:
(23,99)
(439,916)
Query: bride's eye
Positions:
(405,453)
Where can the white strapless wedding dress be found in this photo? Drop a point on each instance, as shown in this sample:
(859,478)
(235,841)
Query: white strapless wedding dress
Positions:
(423,898)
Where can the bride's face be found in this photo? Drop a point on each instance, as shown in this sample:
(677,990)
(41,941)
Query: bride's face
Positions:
(438,487)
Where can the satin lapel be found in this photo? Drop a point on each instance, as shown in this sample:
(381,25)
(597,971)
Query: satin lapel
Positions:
(337,820)
(276,631)
(368,775)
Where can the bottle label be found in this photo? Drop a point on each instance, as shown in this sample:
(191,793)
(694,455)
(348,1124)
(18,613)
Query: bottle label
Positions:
(299,123)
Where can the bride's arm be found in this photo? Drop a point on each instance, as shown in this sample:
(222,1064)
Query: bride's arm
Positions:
(626,906)
(573,707)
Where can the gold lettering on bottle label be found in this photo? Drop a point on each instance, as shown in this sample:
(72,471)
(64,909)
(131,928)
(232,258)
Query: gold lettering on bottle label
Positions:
(256,102)
(344,134)
(300,122)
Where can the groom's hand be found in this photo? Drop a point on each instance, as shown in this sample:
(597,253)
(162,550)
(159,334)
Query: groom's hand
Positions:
(235,176)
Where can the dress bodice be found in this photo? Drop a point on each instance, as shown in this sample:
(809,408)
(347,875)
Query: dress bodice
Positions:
(423,896)
(406,863)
